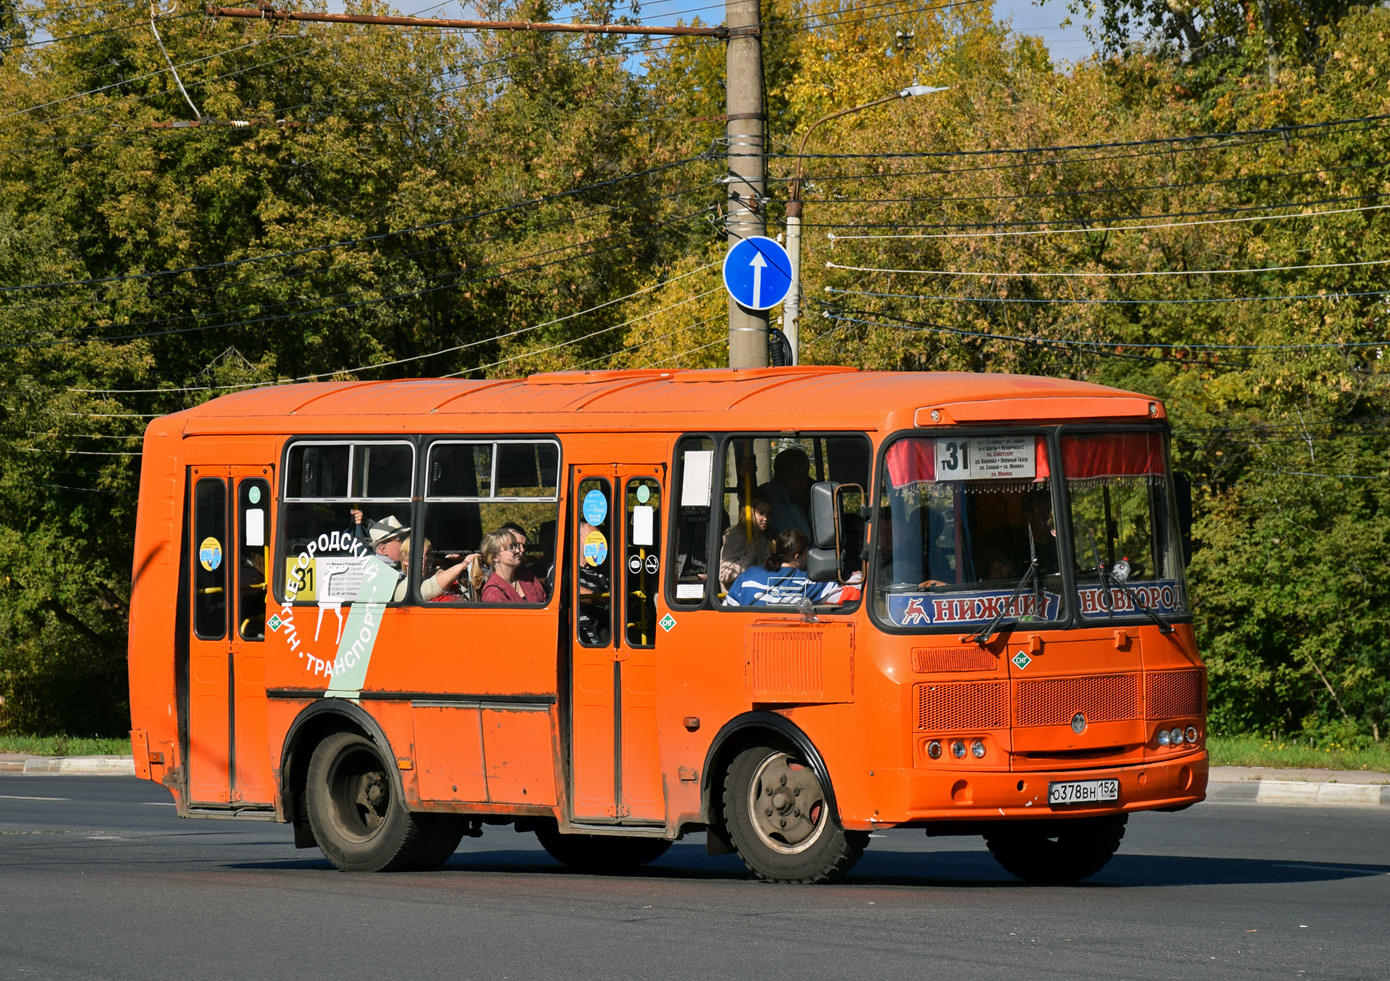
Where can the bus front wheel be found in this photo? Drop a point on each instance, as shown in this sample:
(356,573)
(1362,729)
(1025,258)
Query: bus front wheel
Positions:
(1057,853)
(358,819)
(781,820)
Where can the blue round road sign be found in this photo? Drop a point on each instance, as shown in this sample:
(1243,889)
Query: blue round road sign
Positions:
(757,273)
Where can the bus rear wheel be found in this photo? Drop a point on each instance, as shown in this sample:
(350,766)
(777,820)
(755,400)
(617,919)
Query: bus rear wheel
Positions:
(358,819)
(781,820)
(600,854)
(1057,853)
(443,832)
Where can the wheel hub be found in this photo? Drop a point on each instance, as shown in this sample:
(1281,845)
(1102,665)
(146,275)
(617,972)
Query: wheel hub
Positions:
(786,804)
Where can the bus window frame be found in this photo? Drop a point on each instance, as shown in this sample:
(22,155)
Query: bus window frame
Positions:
(285,501)
(711,598)
(1060,517)
(1170,493)
(673,508)
(420,517)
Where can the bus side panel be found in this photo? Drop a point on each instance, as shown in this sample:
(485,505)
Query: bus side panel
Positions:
(154,582)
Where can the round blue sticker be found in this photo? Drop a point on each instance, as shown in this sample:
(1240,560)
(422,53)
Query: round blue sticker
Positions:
(595,507)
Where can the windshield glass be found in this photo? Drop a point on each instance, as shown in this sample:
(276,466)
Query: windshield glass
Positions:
(961,521)
(1127,548)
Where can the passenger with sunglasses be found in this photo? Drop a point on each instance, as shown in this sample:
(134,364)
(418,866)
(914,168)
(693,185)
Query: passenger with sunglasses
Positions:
(510,581)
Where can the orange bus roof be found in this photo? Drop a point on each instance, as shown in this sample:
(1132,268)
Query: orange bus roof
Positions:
(765,399)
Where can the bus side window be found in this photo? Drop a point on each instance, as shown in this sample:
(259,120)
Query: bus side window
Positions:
(591,549)
(643,565)
(477,486)
(690,557)
(253,505)
(210,559)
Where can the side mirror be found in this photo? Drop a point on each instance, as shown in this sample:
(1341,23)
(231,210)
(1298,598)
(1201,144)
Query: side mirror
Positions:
(824,560)
(824,514)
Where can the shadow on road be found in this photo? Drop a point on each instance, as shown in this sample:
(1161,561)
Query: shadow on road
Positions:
(967,869)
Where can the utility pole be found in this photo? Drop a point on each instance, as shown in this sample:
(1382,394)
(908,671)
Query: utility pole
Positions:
(746,201)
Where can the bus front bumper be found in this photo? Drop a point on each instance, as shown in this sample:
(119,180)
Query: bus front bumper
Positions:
(920,796)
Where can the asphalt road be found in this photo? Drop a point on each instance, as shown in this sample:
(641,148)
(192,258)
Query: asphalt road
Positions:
(99,879)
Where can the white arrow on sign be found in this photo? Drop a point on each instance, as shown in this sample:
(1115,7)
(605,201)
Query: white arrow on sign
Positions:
(757,262)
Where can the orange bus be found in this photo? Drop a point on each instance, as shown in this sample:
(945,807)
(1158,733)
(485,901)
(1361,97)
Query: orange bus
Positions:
(977,623)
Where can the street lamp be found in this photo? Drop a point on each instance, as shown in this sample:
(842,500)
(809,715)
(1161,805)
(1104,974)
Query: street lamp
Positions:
(791,309)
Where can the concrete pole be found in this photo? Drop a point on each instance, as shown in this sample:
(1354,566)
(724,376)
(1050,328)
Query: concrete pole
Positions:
(747,188)
(791,306)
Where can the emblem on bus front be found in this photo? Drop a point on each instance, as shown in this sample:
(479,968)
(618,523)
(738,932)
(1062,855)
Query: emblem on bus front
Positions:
(1078,723)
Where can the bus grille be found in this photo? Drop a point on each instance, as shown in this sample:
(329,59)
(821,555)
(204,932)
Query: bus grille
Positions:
(963,705)
(785,664)
(1175,694)
(1101,698)
(925,659)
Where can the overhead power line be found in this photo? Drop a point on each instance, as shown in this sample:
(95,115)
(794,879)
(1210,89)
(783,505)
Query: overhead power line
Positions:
(1106,274)
(1087,230)
(1116,302)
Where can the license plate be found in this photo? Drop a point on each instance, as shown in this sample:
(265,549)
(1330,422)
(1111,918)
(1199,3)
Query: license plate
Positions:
(1082,792)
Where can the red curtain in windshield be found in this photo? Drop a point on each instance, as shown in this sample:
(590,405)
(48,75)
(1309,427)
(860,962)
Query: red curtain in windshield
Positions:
(913,461)
(1115,455)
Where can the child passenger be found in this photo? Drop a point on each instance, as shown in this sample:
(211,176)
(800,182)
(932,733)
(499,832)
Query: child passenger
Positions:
(782,580)
(738,553)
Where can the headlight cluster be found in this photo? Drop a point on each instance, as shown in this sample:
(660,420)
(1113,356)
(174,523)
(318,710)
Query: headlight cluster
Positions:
(1176,736)
(958,747)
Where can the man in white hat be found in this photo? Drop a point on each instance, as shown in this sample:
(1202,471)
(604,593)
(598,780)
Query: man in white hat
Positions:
(385,538)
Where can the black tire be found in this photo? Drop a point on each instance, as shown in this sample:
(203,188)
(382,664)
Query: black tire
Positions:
(443,832)
(1057,853)
(358,819)
(782,822)
(600,854)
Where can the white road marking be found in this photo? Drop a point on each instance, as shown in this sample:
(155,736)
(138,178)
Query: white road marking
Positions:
(16,797)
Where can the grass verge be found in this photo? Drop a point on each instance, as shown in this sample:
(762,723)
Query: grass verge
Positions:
(1290,754)
(63,745)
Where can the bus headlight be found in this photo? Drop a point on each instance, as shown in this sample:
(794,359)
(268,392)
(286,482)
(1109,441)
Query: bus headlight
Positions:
(1176,736)
(1163,737)
(977,749)
(958,749)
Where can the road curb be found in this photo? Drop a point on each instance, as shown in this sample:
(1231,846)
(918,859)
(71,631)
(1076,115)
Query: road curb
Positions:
(70,766)
(1299,788)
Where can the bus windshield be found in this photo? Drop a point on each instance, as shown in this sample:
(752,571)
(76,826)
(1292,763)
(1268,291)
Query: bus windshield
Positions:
(967,530)
(1128,557)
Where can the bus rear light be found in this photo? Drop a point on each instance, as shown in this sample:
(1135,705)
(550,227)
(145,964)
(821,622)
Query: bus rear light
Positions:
(977,749)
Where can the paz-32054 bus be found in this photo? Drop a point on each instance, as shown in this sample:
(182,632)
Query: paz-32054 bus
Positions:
(993,636)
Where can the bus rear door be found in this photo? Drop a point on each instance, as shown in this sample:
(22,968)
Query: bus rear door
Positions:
(616,543)
(228,533)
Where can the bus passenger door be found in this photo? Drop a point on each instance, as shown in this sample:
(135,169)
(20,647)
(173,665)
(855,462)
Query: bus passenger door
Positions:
(616,551)
(228,541)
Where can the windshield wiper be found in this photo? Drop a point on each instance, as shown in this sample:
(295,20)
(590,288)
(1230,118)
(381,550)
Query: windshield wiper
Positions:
(983,635)
(1112,580)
